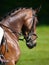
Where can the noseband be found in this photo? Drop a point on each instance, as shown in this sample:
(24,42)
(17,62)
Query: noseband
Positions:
(28,38)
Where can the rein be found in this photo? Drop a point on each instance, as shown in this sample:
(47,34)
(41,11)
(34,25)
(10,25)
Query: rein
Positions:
(10,29)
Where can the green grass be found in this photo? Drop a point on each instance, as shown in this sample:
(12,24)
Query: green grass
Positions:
(38,55)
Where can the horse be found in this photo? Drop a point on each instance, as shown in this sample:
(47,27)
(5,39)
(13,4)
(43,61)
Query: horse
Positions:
(19,21)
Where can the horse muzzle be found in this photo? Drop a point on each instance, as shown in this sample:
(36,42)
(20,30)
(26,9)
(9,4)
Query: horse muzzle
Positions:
(31,44)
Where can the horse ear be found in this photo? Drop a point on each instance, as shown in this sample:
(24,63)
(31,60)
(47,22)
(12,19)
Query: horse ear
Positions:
(38,9)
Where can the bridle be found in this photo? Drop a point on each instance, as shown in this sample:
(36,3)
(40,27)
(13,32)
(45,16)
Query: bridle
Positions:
(30,33)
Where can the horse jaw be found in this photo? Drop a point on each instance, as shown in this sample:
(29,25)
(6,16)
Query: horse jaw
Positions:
(1,34)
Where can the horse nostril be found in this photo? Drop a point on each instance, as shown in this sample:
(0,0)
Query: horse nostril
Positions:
(31,45)
(34,44)
(27,37)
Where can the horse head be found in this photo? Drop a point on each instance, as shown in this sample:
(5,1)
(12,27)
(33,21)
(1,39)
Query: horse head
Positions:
(29,28)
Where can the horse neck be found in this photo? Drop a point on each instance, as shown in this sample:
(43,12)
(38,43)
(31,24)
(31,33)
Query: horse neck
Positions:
(16,21)
(15,26)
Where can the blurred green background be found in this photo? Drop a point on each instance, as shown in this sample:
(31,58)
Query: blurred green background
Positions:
(40,54)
